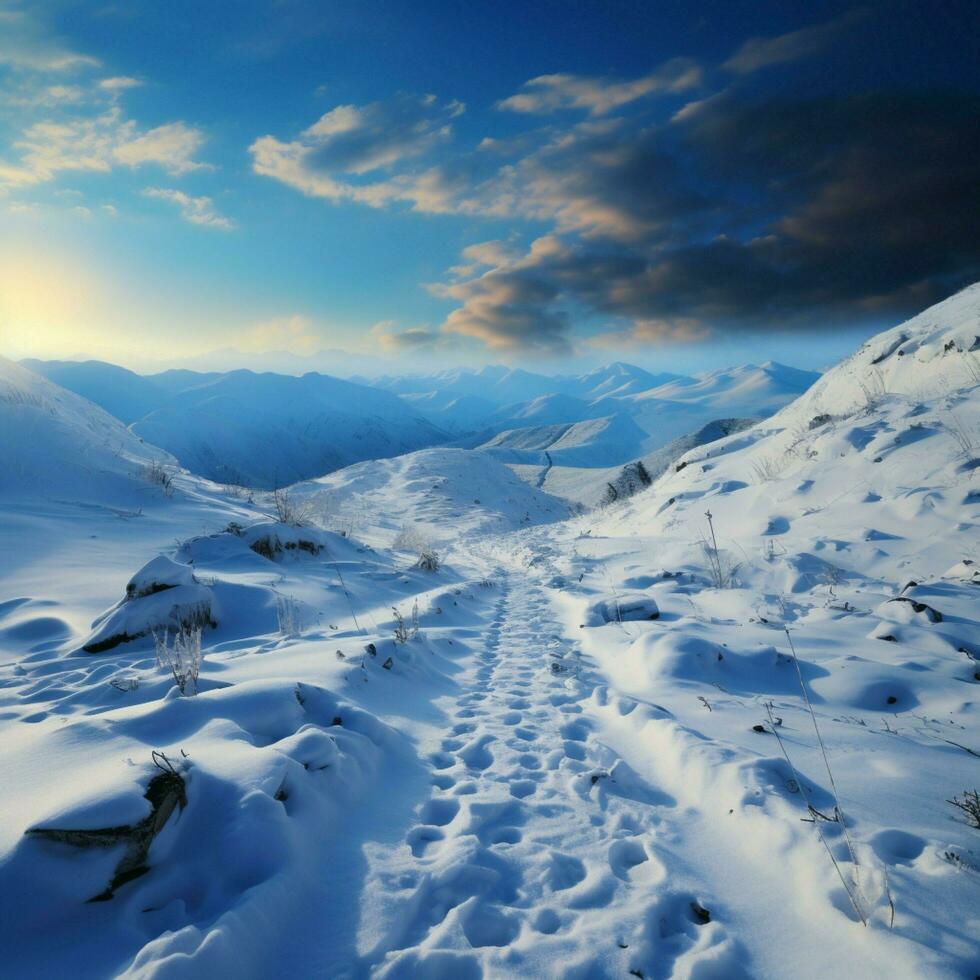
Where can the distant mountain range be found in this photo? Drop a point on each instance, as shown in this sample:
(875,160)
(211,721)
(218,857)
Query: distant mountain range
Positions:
(267,430)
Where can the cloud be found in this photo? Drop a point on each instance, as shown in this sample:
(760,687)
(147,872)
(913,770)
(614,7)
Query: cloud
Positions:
(656,333)
(404,341)
(70,121)
(598,96)
(763,52)
(96,144)
(349,142)
(172,146)
(119,83)
(836,209)
(736,213)
(196,210)
(295,334)
(25,45)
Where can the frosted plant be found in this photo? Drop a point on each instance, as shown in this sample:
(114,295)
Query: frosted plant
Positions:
(182,657)
(289,616)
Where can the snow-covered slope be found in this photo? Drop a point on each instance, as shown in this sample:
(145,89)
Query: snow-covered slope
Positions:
(590,487)
(851,519)
(598,442)
(268,430)
(444,493)
(53,442)
(455,414)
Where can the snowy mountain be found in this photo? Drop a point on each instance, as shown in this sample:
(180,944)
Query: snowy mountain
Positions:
(122,393)
(616,380)
(495,383)
(267,430)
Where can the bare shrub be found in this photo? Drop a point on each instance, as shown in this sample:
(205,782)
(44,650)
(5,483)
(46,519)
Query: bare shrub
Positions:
(873,391)
(157,474)
(767,468)
(413,538)
(402,634)
(289,615)
(964,437)
(182,657)
(969,805)
(405,631)
(722,569)
(429,561)
(289,510)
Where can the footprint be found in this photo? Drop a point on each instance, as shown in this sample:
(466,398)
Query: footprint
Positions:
(489,925)
(443,782)
(440,812)
(512,718)
(624,856)
(575,731)
(420,838)
(442,760)
(563,872)
(476,755)
(546,921)
(525,734)
(504,835)
(522,788)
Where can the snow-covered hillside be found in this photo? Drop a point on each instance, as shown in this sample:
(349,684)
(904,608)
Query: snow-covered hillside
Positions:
(599,442)
(444,493)
(52,441)
(634,742)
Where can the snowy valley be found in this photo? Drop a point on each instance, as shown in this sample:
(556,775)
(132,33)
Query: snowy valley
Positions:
(476,701)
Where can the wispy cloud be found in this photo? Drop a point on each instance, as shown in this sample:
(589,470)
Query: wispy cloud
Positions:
(598,96)
(294,333)
(25,44)
(349,142)
(196,210)
(763,52)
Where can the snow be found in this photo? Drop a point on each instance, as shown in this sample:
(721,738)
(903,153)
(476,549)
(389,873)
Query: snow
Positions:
(591,749)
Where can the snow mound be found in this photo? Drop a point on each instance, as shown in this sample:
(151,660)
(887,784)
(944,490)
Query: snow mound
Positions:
(448,493)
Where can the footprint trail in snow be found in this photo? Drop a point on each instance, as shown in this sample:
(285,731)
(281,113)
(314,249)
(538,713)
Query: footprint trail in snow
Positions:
(536,838)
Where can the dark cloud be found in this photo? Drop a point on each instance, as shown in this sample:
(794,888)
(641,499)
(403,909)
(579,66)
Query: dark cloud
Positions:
(752,216)
(739,212)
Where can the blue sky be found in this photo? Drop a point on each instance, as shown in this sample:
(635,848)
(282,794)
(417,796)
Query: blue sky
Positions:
(681,185)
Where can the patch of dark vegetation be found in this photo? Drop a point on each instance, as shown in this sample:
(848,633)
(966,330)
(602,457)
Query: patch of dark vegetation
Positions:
(270,546)
(633,478)
(110,642)
(166,792)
